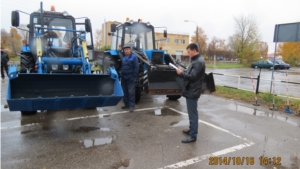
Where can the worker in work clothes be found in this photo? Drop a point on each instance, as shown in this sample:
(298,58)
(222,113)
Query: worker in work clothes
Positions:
(4,61)
(129,72)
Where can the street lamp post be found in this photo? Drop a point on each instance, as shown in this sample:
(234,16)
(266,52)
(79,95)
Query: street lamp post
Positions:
(197,41)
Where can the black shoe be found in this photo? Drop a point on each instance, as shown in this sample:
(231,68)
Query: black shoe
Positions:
(186,131)
(131,109)
(189,140)
(125,107)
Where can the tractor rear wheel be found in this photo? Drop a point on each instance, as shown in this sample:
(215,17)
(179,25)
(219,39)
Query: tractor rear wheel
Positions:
(138,94)
(27,63)
(173,97)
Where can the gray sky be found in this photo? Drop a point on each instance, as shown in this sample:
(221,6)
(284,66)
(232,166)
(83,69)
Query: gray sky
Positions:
(216,17)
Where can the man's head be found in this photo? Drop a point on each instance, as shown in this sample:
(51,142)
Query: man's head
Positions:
(192,49)
(127,50)
(2,49)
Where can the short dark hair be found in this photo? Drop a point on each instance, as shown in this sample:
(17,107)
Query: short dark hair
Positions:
(193,46)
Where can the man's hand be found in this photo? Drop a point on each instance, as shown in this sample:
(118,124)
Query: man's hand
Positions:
(179,71)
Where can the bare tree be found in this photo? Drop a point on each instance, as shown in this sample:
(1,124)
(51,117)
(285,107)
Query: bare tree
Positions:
(98,38)
(263,49)
(4,38)
(202,39)
(245,41)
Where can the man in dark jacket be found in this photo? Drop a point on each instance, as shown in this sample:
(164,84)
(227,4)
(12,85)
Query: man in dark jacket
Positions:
(193,78)
(4,61)
(129,72)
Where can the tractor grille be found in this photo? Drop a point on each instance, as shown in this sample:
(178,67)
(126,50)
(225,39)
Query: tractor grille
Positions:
(157,57)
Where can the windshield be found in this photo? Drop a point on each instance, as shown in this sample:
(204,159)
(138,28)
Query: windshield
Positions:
(60,37)
(139,34)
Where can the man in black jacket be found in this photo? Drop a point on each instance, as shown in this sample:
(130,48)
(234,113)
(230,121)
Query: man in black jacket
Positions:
(193,79)
(4,61)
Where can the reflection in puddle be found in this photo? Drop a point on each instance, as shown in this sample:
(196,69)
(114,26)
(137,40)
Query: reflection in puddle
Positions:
(180,123)
(104,129)
(164,112)
(98,141)
(256,112)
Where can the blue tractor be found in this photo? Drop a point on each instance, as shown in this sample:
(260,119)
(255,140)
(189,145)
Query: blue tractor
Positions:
(55,71)
(156,76)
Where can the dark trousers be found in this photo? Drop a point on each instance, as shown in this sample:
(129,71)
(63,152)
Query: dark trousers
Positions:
(2,71)
(193,116)
(128,87)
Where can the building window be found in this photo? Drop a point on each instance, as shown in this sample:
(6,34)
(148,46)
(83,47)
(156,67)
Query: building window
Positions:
(167,40)
(176,41)
(159,40)
(182,41)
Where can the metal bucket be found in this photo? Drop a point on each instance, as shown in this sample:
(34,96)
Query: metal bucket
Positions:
(31,92)
(164,81)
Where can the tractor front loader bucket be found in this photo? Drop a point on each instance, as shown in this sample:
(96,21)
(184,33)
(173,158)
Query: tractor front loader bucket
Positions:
(31,92)
(164,82)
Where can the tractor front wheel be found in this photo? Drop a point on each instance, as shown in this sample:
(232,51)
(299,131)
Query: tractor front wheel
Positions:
(26,113)
(27,63)
(173,97)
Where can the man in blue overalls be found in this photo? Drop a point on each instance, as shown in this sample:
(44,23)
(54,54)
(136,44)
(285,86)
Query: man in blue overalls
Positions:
(129,72)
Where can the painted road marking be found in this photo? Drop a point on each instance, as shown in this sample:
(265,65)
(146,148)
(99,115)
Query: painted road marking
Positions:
(85,117)
(218,153)
(204,157)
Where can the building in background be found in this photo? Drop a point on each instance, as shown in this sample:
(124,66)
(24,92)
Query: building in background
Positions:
(175,44)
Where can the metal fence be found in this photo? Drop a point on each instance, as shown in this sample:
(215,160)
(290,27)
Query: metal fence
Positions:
(282,88)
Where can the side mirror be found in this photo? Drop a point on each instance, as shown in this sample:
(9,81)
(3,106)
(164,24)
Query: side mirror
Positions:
(165,33)
(109,33)
(88,26)
(28,26)
(113,27)
(15,18)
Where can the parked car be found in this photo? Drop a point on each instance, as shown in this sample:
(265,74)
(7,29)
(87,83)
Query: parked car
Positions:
(282,64)
(264,64)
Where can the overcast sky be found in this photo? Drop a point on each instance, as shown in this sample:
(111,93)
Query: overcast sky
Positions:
(216,17)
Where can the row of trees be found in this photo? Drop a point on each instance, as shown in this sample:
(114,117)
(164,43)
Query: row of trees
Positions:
(244,44)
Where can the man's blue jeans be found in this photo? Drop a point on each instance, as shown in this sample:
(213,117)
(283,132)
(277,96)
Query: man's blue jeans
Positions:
(193,116)
(128,87)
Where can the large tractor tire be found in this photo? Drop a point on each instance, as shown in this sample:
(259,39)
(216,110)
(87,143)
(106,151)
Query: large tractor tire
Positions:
(27,113)
(173,97)
(138,94)
(27,63)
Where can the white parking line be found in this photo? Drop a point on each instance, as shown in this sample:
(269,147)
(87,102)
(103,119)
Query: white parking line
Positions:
(85,117)
(204,157)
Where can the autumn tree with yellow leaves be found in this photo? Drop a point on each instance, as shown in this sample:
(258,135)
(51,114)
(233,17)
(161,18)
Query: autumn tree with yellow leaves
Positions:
(290,52)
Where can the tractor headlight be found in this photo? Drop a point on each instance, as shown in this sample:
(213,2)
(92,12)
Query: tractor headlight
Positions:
(54,67)
(65,67)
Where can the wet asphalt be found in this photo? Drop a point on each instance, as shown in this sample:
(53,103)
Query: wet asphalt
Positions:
(150,137)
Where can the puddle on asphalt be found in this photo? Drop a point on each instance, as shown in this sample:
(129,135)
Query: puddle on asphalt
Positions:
(163,112)
(121,164)
(86,129)
(255,112)
(98,141)
(104,129)
(180,123)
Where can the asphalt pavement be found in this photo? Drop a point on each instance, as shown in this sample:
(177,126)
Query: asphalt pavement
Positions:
(231,135)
